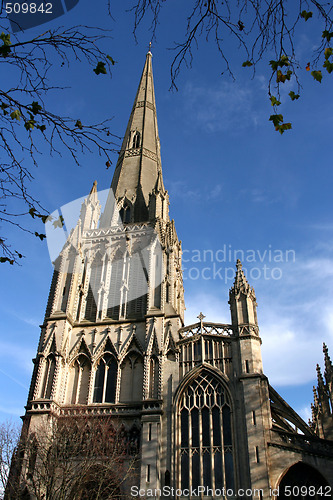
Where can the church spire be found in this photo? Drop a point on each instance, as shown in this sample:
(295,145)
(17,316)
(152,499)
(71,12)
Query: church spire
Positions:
(138,169)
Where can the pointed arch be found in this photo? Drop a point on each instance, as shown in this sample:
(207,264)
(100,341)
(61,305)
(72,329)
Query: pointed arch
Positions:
(205,441)
(117,269)
(78,380)
(131,377)
(154,377)
(125,213)
(92,300)
(49,372)
(136,141)
(301,475)
(138,280)
(105,379)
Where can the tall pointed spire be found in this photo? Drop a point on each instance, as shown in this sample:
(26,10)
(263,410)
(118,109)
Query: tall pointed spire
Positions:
(139,165)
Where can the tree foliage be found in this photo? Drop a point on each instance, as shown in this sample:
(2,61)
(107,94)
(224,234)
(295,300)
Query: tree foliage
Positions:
(262,30)
(9,439)
(72,458)
(27,124)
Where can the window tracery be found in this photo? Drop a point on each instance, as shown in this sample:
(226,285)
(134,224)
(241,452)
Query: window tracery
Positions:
(131,377)
(136,140)
(153,377)
(205,435)
(92,305)
(105,379)
(79,380)
(48,376)
(125,213)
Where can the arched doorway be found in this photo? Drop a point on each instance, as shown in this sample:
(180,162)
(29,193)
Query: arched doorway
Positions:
(303,481)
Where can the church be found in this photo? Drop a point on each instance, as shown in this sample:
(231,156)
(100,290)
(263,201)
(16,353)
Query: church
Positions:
(202,416)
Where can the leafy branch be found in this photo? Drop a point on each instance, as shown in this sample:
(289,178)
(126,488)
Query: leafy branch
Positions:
(27,122)
(259,29)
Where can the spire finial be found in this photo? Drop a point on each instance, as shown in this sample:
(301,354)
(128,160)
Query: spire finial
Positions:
(149,51)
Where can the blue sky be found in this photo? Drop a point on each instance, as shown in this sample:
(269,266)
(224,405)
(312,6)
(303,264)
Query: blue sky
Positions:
(234,184)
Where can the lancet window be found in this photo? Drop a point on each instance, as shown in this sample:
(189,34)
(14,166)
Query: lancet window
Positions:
(205,435)
(94,287)
(125,213)
(49,372)
(153,377)
(105,379)
(114,297)
(138,280)
(78,385)
(136,140)
(131,377)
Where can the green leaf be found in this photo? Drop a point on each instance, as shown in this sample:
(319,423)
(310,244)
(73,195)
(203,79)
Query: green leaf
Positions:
(40,236)
(78,124)
(15,115)
(5,48)
(274,101)
(111,60)
(306,15)
(329,66)
(285,126)
(29,125)
(276,119)
(328,35)
(293,96)
(100,68)
(317,75)
(5,37)
(32,212)
(274,64)
(281,77)
(36,108)
(247,63)
(283,61)
(41,127)
(278,123)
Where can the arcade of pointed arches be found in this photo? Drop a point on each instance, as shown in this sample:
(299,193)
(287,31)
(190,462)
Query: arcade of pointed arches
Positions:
(107,380)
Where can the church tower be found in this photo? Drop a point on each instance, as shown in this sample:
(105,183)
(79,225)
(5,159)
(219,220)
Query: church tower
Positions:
(193,401)
(116,301)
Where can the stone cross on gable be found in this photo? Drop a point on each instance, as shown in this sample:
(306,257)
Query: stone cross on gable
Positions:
(201,317)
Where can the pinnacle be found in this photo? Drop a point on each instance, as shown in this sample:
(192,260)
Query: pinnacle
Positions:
(94,188)
(240,283)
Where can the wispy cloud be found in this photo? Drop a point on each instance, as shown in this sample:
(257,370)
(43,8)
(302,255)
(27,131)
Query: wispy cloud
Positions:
(220,107)
(180,189)
(19,355)
(295,317)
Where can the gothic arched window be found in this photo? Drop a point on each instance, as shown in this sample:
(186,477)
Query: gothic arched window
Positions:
(79,380)
(48,376)
(114,298)
(153,377)
(138,281)
(131,377)
(136,140)
(125,214)
(94,286)
(205,435)
(106,379)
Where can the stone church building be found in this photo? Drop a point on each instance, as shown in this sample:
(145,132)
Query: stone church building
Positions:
(203,414)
